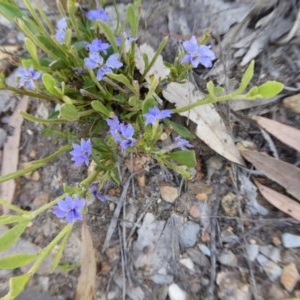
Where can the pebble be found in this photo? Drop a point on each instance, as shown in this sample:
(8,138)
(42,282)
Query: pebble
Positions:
(271,252)
(227,258)
(290,240)
(3,136)
(272,270)
(176,293)
(229,204)
(198,257)
(252,251)
(169,193)
(292,103)
(195,212)
(188,263)
(204,249)
(189,234)
(289,277)
(40,200)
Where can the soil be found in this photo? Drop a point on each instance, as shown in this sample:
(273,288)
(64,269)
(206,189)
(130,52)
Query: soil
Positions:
(226,227)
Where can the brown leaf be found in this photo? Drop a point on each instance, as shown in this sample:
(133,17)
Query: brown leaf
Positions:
(281,172)
(287,134)
(10,157)
(86,287)
(282,202)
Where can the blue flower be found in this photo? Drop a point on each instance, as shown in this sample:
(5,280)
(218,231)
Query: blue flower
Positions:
(97,14)
(61,27)
(81,153)
(96,193)
(27,77)
(197,54)
(154,114)
(183,144)
(97,45)
(111,63)
(121,132)
(128,41)
(69,208)
(93,61)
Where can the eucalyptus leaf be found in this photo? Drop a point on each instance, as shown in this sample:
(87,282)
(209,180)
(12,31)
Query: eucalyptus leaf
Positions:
(11,236)
(17,260)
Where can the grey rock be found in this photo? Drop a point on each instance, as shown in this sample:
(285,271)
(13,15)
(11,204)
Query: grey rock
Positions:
(272,270)
(290,240)
(198,257)
(3,136)
(204,249)
(271,252)
(252,251)
(227,258)
(189,234)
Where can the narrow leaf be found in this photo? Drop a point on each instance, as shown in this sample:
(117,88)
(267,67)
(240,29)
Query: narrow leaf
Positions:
(10,237)
(248,75)
(10,11)
(184,157)
(180,129)
(281,172)
(6,219)
(109,35)
(17,260)
(122,79)
(32,50)
(281,202)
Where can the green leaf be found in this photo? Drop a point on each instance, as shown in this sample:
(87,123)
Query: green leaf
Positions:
(50,83)
(32,50)
(180,129)
(135,102)
(69,112)
(248,75)
(100,107)
(211,89)
(270,89)
(16,286)
(184,157)
(108,34)
(147,104)
(10,11)
(122,79)
(17,260)
(11,219)
(11,236)
(133,16)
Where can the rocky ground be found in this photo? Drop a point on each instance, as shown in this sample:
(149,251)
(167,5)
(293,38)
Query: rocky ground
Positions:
(212,237)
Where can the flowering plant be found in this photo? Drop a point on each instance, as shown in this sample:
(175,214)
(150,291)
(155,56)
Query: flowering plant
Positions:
(98,76)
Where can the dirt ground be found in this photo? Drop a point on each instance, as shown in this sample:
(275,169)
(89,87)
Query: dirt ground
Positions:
(219,239)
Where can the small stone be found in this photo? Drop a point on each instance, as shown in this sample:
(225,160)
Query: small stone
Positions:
(227,258)
(40,200)
(169,193)
(189,234)
(289,277)
(176,293)
(195,212)
(272,270)
(292,103)
(252,251)
(3,136)
(201,197)
(276,240)
(188,263)
(198,257)
(271,252)
(276,293)
(290,240)
(204,249)
(230,204)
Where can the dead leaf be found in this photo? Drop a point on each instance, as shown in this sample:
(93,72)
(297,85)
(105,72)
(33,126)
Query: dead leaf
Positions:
(158,70)
(279,171)
(6,51)
(287,134)
(86,287)
(281,202)
(10,156)
(210,126)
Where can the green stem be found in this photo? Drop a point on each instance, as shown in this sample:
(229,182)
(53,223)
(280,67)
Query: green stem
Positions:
(90,179)
(115,85)
(86,113)
(13,207)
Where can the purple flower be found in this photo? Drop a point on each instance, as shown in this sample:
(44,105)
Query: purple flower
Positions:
(97,14)
(197,54)
(121,132)
(61,27)
(97,45)
(154,114)
(128,41)
(183,144)
(96,193)
(81,153)
(27,77)
(93,61)
(111,63)
(69,208)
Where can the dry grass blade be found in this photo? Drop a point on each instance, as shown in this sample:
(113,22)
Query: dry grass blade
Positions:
(281,172)
(210,126)
(86,287)
(10,157)
(287,134)
(281,202)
